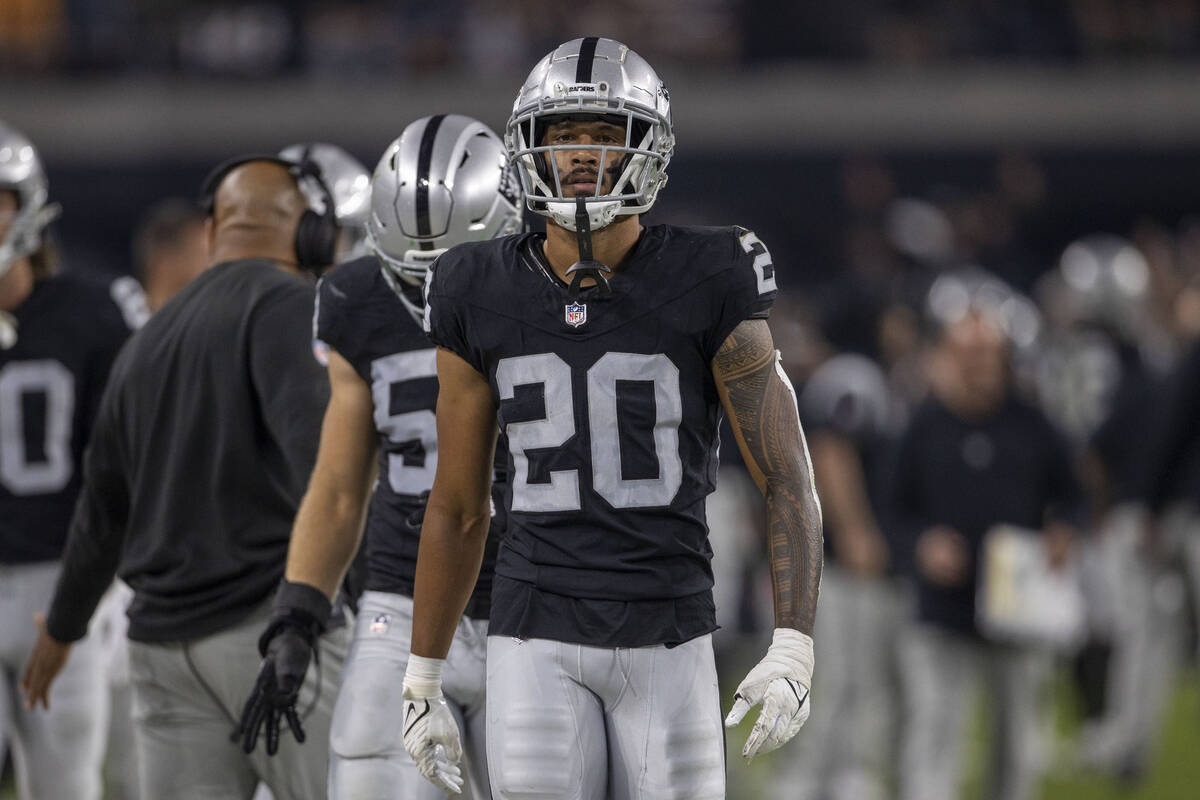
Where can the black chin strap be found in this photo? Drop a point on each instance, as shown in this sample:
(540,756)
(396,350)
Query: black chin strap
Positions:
(586,266)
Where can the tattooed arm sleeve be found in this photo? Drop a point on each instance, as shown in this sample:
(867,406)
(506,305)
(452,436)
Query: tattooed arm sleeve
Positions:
(761,405)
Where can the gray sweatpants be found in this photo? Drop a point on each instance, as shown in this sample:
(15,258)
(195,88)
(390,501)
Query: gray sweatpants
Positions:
(187,697)
(940,671)
(367,758)
(57,753)
(574,722)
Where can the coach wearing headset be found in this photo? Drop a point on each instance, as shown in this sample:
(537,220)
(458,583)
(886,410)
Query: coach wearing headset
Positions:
(205,438)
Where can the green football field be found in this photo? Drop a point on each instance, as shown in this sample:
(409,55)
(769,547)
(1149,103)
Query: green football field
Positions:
(1174,774)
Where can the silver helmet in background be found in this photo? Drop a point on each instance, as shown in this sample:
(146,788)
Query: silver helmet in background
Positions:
(1103,280)
(21,173)
(444,181)
(958,292)
(349,183)
(1098,300)
(593,78)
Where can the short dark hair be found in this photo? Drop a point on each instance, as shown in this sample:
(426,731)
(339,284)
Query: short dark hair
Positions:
(161,226)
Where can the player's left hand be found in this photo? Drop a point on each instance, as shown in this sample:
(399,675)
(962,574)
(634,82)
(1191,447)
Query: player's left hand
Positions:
(780,682)
(431,737)
(47,660)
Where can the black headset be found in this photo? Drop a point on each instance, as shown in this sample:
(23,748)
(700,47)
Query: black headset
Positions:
(316,234)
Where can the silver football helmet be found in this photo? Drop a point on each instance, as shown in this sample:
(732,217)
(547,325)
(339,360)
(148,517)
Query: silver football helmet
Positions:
(349,183)
(1104,280)
(444,181)
(850,392)
(593,77)
(958,292)
(21,173)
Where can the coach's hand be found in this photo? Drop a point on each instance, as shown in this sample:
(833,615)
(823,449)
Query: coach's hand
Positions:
(47,660)
(431,733)
(287,645)
(780,682)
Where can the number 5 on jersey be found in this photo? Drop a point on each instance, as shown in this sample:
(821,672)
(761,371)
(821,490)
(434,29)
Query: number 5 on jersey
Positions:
(557,427)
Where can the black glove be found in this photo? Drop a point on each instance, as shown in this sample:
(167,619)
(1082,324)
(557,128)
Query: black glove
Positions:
(301,612)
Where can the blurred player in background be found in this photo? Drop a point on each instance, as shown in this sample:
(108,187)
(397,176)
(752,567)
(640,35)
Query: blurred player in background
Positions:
(169,248)
(1166,535)
(852,421)
(1100,378)
(974,456)
(59,334)
(607,353)
(204,441)
(444,181)
(350,184)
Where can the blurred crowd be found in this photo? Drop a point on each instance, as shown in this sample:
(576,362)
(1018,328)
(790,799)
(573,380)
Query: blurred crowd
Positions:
(379,37)
(1007,455)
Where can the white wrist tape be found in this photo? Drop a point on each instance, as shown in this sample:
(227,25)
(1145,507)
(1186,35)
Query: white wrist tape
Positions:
(797,649)
(423,678)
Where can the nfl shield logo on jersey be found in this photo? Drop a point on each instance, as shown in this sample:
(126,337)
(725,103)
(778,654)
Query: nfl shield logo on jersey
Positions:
(576,314)
(379,625)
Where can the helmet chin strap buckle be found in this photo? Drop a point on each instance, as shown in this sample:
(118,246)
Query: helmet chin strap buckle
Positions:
(586,266)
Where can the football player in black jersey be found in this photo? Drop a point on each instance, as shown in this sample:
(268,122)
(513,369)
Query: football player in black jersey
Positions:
(59,334)
(444,181)
(608,378)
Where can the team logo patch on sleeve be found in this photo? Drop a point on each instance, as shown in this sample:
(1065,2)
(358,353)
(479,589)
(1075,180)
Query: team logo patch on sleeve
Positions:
(576,314)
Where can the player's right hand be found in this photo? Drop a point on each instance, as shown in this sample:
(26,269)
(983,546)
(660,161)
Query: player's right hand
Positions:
(273,699)
(431,734)
(287,645)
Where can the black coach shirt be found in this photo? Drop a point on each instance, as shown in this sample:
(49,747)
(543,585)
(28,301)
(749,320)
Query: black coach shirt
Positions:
(1012,467)
(202,449)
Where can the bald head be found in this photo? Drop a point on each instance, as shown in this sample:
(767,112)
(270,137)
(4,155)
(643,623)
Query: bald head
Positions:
(256,208)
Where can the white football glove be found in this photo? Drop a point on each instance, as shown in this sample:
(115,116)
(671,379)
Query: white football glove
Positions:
(780,682)
(431,734)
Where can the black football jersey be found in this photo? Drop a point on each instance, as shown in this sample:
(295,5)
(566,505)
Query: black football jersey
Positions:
(610,412)
(359,316)
(68,332)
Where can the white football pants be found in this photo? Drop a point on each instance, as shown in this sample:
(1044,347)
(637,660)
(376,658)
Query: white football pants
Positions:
(367,759)
(575,722)
(57,753)
(1148,630)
